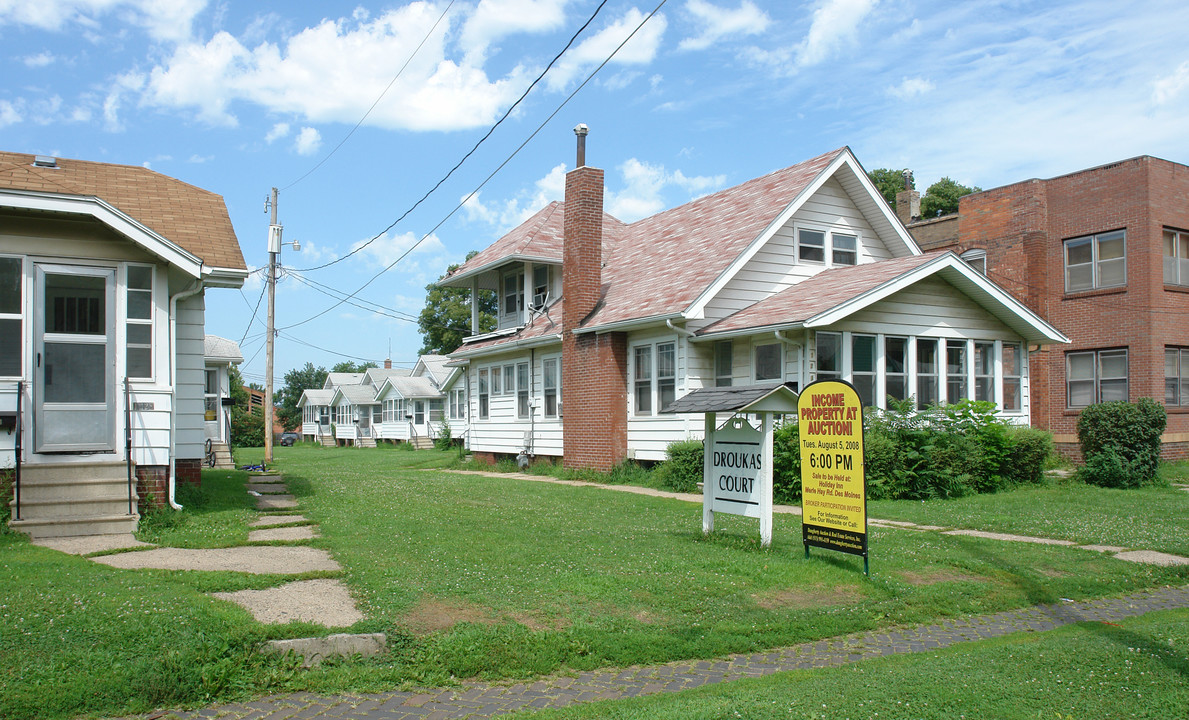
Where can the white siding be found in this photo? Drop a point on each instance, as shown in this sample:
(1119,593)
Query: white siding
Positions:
(503,432)
(650,435)
(931,307)
(150,427)
(189,384)
(774,268)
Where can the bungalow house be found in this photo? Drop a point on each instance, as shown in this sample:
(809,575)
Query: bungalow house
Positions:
(103,273)
(220,354)
(801,274)
(352,407)
(315,416)
(412,408)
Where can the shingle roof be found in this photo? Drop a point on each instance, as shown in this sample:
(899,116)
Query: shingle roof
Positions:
(218,348)
(313,396)
(358,394)
(415,387)
(541,326)
(660,265)
(336,379)
(819,293)
(725,399)
(377,376)
(190,217)
(436,366)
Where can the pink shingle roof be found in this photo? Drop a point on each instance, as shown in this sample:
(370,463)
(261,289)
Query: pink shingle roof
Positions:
(188,216)
(819,293)
(541,326)
(663,263)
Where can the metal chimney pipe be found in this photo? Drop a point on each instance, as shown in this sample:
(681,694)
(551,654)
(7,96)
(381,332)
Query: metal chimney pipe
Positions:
(581,130)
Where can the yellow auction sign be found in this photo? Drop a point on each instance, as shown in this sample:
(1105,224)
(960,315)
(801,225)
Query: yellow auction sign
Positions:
(833,477)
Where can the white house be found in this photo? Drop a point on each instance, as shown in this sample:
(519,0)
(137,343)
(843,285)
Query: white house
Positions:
(219,355)
(103,273)
(316,416)
(801,274)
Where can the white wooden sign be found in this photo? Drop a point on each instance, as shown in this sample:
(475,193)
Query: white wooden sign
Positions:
(737,476)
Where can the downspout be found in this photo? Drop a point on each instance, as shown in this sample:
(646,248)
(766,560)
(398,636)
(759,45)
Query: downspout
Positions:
(193,289)
(680,331)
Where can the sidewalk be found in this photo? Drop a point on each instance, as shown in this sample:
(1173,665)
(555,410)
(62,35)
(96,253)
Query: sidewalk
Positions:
(485,700)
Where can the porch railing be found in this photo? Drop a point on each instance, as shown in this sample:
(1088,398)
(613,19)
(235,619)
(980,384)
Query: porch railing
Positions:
(17,451)
(128,438)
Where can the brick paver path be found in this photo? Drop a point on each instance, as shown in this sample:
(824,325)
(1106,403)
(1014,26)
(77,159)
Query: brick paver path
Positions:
(483,700)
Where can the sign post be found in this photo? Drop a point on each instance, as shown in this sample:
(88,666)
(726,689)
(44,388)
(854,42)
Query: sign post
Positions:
(833,475)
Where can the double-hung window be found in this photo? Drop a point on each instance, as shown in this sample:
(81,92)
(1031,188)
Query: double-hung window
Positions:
(1013,377)
(11,282)
(540,285)
(655,377)
(140,321)
(496,386)
(811,246)
(844,248)
(1176,376)
(522,406)
(1095,376)
(895,353)
(1176,257)
(769,365)
(724,358)
(484,397)
(984,371)
(509,380)
(551,385)
(955,370)
(928,373)
(829,356)
(820,246)
(512,299)
(863,367)
(1096,261)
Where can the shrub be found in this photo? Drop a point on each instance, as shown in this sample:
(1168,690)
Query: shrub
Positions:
(786,463)
(1030,450)
(1131,431)
(443,441)
(247,428)
(682,469)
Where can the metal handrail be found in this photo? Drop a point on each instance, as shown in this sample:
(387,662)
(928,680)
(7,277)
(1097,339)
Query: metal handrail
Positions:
(128,438)
(16,480)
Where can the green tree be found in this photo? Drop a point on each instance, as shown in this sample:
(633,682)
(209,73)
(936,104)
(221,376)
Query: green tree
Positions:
(347,366)
(297,381)
(889,182)
(247,427)
(942,197)
(446,318)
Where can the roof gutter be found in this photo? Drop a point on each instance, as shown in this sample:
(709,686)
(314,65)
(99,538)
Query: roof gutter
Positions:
(495,265)
(514,345)
(626,324)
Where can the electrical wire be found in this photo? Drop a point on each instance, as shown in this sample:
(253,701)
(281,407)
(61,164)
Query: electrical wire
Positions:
(254,311)
(378,99)
(483,139)
(493,173)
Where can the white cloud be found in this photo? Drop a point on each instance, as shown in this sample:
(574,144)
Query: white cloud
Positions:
(200,159)
(388,248)
(640,50)
(492,20)
(308,141)
(645,185)
(277,132)
(513,211)
(40,60)
(127,83)
(835,23)
(718,23)
(357,59)
(10,114)
(1169,87)
(910,88)
(163,20)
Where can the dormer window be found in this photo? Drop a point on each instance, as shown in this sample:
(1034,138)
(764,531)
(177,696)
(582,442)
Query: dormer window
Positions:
(511,299)
(540,285)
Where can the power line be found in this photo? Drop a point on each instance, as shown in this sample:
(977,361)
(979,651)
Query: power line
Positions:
(254,311)
(491,175)
(471,152)
(378,99)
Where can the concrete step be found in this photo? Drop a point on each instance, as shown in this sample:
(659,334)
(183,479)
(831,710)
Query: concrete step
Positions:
(113,469)
(421,442)
(33,489)
(64,507)
(76,526)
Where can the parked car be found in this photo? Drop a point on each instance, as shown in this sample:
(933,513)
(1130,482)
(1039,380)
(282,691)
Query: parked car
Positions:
(288,438)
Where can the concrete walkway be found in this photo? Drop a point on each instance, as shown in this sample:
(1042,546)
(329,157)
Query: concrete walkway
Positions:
(485,700)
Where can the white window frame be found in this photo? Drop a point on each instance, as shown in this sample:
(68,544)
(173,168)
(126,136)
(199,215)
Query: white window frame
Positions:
(834,337)
(509,374)
(541,292)
(551,392)
(131,322)
(755,362)
(1095,263)
(1179,377)
(724,373)
(524,379)
(19,316)
(511,284)
(977,259)
(830,253)
(873,374)
(484,394)
(654,386)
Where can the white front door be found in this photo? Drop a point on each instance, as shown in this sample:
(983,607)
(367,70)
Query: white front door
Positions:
(74,369)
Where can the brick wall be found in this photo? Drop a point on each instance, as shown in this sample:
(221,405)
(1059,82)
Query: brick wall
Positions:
(188,472)
(1023,228)
(936,233)
(152,486)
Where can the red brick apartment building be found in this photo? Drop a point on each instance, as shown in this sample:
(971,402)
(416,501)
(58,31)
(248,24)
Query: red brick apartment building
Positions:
(1103,255)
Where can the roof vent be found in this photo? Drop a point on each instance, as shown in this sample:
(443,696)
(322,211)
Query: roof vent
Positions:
(46,161)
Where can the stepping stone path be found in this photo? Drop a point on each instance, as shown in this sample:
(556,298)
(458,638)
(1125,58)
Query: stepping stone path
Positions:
(301,532)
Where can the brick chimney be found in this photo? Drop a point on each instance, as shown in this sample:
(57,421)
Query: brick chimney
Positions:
(594,366)
(908,201)
(387,363)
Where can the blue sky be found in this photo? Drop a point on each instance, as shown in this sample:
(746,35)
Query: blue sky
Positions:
(240,97)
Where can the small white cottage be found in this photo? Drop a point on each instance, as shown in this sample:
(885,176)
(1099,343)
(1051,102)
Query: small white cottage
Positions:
(103,273)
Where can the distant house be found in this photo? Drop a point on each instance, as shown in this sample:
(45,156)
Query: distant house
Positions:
(316,416)
(802,274)
(1103,255)
(219,355)
(103,275)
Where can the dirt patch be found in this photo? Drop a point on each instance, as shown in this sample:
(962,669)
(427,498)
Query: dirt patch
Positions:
(432,614)
(938,575)
(800,598)
(540,624)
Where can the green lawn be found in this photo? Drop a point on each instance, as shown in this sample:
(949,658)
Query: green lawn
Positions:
(1139,669)
(475,576)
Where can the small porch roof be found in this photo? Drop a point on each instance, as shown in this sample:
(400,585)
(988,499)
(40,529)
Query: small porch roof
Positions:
(766,398)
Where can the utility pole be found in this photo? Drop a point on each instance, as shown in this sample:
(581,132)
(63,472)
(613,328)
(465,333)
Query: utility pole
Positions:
(274,249)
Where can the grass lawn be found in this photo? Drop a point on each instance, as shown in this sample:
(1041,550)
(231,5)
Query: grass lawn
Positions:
(486,577)
(1139,669)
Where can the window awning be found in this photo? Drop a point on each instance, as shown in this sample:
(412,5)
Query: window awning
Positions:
(767,398)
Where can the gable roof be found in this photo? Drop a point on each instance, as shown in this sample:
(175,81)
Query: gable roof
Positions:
(334,380)
(313,396)
(835,294)
(410,387)
(376,376)
(355,394)
(193,219)
(221,350)
(435,366)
